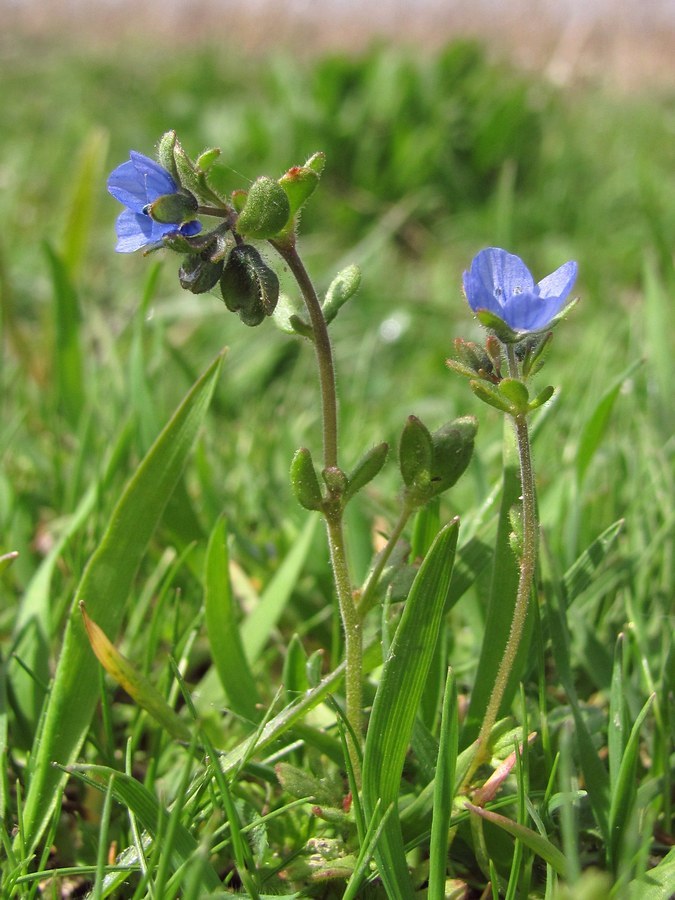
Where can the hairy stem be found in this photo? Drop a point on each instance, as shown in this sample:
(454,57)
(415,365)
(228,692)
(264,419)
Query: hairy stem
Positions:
(351,622)
(527,570)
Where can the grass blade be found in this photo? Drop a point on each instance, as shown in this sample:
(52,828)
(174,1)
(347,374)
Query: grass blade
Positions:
(257,628)
(222,627)
(397,700)
(536,842)
(444,789)
(104,587)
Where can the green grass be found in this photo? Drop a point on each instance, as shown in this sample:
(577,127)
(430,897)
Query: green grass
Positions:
(427,162)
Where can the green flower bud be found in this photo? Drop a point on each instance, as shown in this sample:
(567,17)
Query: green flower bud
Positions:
(171,209)
(304,482)
(266,210)
(432,463)
(248,286)
(452,451)
(345,284)
(415,454)
(334,479)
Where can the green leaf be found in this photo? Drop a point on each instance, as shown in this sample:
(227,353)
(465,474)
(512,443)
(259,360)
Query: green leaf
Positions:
(105,587)
(625,789)
(68,361)
(444,791)
(133,681)
(397,700)
(657,883)
(144,805)
(582,572)
(86,189)
(222,628)
(596,425)
(536,842)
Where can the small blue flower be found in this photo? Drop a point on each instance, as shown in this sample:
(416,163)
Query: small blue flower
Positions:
(501,283)
(138,183)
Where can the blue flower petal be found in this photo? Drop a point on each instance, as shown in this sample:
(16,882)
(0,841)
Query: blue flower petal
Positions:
(560,282)
(530,312)
(501,283)
(124,185)
(154,177)
(188,229)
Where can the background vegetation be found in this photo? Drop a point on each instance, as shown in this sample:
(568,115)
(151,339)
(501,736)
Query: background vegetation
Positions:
(427,162)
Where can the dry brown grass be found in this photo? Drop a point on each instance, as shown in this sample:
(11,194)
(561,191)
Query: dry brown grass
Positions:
(633,51)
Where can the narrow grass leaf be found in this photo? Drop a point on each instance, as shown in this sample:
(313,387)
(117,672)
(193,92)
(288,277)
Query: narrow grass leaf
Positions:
(134,682)
(105,587)
(144,805)
(625,789)
(396,703)
(257,628)
(656,884)
(618,725)
(444,790)
(222,628)
(595,426)
(536,842)
(86,189)
(582,572)
(67,364)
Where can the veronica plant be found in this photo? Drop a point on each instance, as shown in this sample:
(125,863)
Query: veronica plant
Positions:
(519,316)
(162,200)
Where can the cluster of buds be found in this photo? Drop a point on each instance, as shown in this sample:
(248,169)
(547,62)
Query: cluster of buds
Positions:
(163,199)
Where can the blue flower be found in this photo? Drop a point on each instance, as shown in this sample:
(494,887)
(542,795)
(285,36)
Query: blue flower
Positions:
(137,184)
(501,283)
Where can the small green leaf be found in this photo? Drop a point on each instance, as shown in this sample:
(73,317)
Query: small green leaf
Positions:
(415,453)
(304,480)
(366,469)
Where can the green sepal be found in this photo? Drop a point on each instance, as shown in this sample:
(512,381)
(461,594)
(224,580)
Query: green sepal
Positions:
(248,286)
(516,392)
(316,162)
(206,159)
(238,199)
(170,209)
(304,481)
(342,288)
(188,176)
(266,210)
(533,353)
(491,396)
(301,327)
(460,368)
(542,397)
(503,331)
(366,469)
(299,183)
(165,154)
(287,318)
(452,450)
(334,479)
(415,454)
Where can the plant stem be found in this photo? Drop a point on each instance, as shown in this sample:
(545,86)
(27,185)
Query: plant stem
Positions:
(351,622)
(527,569)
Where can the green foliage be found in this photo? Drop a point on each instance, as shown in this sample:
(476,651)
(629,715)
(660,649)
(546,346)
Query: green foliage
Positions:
(426,160)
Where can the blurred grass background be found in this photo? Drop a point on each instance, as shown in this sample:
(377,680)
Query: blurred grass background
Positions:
(434,150)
